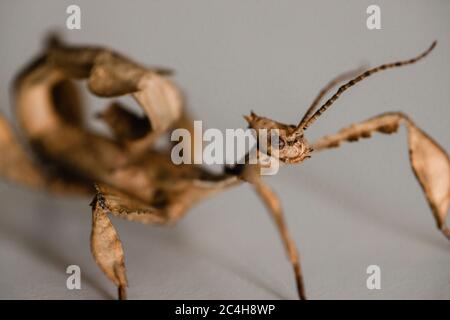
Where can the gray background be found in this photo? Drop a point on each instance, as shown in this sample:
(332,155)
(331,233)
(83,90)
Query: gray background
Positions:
(346,208)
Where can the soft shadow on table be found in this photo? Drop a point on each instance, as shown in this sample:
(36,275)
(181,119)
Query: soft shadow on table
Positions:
(369,209)
(241,271)
(36,243)
(179,241)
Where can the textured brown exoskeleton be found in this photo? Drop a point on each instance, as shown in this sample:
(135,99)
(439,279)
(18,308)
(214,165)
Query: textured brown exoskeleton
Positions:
(140,183)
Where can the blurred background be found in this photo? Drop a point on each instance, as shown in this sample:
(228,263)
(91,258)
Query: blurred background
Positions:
(348,208)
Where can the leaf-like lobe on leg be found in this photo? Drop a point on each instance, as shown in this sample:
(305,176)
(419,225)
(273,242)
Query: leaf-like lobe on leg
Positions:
(431,166)
(124,206)
(107,248)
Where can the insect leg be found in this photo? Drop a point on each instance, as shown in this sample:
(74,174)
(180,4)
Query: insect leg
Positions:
(107,248)
(430,163)
(273,204)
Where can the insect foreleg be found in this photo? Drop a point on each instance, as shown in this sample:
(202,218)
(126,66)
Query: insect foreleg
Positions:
(430,163)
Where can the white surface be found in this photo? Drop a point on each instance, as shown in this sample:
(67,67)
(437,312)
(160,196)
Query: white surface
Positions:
(346,208)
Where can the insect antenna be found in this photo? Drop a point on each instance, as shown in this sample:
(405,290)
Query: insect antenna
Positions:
(303,125)
(330,85)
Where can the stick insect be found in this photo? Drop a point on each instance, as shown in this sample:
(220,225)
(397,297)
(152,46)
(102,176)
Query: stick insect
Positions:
(131,179)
